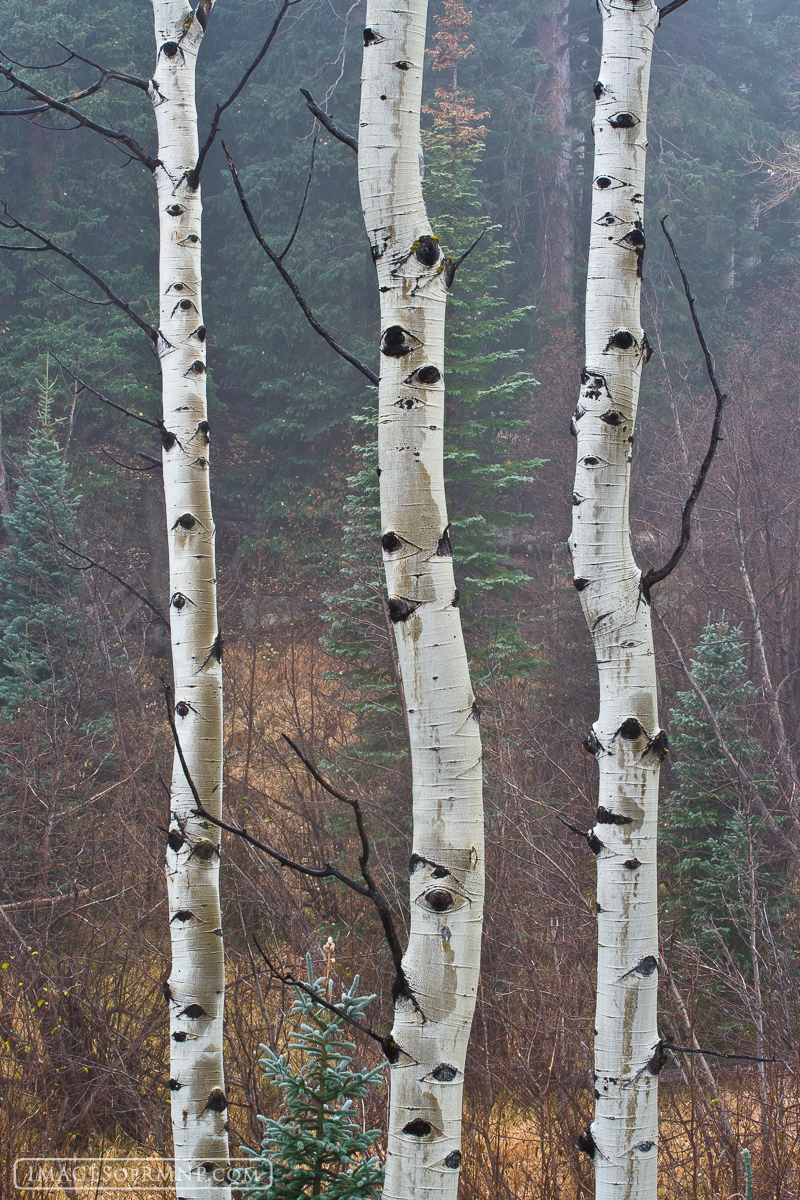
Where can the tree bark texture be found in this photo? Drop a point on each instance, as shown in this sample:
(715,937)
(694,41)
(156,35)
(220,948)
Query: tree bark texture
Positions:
(626,738)
(435,1001)
(196,985)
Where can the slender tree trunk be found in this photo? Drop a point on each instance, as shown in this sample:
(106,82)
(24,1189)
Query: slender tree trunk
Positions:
(197,981)
(435,1001)
(5,500)
(719,1114)
(785,755)
(559,247)
(626,738)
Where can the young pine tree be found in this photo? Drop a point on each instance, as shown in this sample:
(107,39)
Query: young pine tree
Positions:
(41,636)
(707,831)
(487,392)
(318,1147)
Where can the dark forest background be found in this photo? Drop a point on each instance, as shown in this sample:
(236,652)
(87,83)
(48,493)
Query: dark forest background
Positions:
(84,748)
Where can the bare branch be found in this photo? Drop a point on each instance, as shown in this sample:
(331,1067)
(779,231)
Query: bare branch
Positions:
(288,246)
(328,122)
(38,108)
(153,466)
(91,90)
(576,829)
(451,267)
(668,1045)
(114,135)
(83,386)
(11,222)
(782,166)
(385,1041)
(35,67)
(66,291)
(670,8)
(293,288)
(315,872)
(107,571)
(656,575)
(193,178)
(401,985)
(27,249)
(107,73)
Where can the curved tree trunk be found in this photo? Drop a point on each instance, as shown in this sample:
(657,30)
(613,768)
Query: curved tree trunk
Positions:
(197,982)
(434,1003)
(626,737)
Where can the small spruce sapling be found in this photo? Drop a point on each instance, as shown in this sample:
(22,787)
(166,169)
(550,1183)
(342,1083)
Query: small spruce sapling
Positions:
(42,621)
(707,826)
(318,1147)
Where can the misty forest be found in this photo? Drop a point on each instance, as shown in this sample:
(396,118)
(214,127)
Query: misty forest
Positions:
(400,594)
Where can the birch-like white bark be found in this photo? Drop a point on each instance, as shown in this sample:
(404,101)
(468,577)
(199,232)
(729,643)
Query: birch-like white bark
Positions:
(196,985)
(623,1138)
(435,1001)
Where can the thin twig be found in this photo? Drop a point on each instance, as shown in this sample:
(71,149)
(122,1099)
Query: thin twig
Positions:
(450,268)
(717,1054)
(120,76)
(656,575)
(91,90)
(193,177)
(66,291)
(288,246)
(293,288)
(108,571)
(84,386)
(48,244)
(401,986)
(328,122)
(668,1045)
(315,872)
(125,466)
(34,66)
(670,8)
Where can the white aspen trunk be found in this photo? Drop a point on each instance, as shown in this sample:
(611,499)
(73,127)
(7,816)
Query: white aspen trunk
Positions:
(435,1002)
(626,738)
(196,985)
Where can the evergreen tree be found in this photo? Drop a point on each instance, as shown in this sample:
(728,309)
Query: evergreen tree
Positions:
(359,635)
(486,396)
(707,829)
(41,620)
(317,1148)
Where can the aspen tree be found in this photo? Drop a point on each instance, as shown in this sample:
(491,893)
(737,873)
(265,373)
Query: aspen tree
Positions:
(435,994)
(196,986)
(626,738)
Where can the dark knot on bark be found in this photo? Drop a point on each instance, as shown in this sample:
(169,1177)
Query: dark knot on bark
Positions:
(400,609)
(418,1128)
(397,342)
